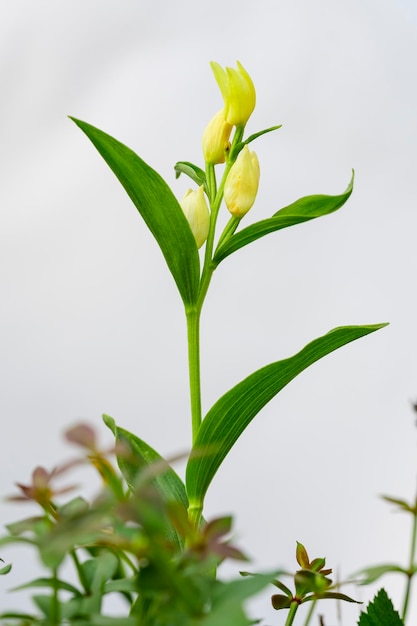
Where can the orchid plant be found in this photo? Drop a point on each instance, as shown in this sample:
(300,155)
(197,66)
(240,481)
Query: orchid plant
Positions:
(145,538)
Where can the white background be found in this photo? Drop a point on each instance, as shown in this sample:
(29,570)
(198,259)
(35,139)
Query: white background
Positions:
(90,318)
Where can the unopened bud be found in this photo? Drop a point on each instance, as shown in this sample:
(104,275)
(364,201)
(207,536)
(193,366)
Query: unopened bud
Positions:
(197,213)
(238,93)
(242,183)
(216,139)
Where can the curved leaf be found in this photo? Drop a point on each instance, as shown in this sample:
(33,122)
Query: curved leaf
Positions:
(260,133)
(53,583)
(158,207)
(160,474)
(233,412)
(193,171)
(369,575)
(301,210)
(165,479)
(332,595)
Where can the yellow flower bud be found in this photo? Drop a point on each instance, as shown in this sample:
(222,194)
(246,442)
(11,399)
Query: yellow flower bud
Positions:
(197,213)
(242,183)
(238,93)
(216,139)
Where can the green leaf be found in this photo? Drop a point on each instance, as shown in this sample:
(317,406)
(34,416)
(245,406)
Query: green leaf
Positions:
(6,569)
(99,570)
(260,133)
(193,171)
(121,585)
(142,457)
(369,575)
(167,481)
(301,210)
(380,612)
(228,598)
(81,529)
(25,525)
(233,412)
(332,595)
(4,541)
(103,620)
(158,207)
(402,504)
(25,617)
(53,583)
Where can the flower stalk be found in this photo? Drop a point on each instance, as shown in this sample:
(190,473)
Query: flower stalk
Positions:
(411,571)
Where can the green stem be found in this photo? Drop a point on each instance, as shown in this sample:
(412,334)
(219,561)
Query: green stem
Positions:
(80,571)
(310,612)
(291,613)
(228,231)
(193,334)
(124,557)
(193,313)
(209,266)
(410,564)
(211,182)
(55,612)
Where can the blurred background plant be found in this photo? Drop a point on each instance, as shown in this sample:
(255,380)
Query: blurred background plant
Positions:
(121,544)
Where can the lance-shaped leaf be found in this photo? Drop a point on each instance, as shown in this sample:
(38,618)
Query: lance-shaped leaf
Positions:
(233,412)
(302,210)
(138,461)
(138,456)
(228,598)
(53,583)
(158,207)
(6,569)
(193,171)
(369,575)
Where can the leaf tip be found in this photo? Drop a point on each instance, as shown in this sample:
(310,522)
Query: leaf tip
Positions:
(109,422)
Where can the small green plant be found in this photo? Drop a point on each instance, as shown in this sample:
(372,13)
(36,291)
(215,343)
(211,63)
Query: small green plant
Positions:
(144,538)
(380,612)
(311,583)
(371,574)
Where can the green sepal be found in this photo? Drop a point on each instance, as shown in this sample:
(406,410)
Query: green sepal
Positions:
(233,412)
(310,582)
(302,210)
(158,207)
(332,595)
(284,588)
(193,171)
(279,601)
(302,556)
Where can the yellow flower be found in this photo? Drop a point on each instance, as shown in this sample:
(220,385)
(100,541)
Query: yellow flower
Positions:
(238,93)
(216,139)
(242,183)
(197,213)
